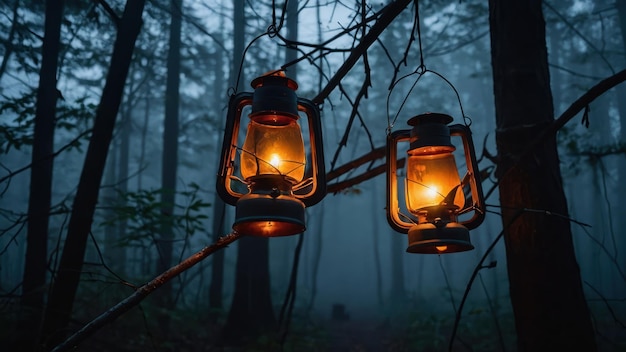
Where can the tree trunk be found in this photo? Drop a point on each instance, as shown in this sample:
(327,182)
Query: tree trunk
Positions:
(216,287)
(35,266)
(108,200)
(251,313)
(621,166)
(170,160)
(61,299)
(545,286)
(119,258)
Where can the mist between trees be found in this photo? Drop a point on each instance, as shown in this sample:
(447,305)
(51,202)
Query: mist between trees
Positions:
(111,123)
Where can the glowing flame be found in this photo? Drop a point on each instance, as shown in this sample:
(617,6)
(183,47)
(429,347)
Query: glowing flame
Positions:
(275,161)
(432,192)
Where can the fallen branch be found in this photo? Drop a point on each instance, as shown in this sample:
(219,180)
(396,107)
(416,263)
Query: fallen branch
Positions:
(142,292)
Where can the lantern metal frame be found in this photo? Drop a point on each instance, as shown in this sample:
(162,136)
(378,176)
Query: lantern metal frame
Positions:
(281,204)
(440,227)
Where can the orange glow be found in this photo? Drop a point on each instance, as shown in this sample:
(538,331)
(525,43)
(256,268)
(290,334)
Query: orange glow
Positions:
(273,150)
(441,248)
(430,178)
(275,160)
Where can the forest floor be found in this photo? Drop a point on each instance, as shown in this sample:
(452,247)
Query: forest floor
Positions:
(349,335)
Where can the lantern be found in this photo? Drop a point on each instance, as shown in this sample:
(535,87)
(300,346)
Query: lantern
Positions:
(435,194)
(271,162)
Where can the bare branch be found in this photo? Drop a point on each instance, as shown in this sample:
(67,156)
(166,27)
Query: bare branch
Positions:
(372,155)
(142,292)
(392,11)
(593,93)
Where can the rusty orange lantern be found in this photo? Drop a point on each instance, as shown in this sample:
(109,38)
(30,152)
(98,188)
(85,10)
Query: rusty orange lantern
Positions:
(435,195)
(271,161)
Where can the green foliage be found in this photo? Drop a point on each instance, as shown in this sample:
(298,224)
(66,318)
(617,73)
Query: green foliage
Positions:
(477,331)
(19,132)
(580,152)
(143,212)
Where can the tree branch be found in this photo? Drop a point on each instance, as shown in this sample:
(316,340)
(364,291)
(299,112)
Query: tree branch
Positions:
(142,292)
(340,186)
(571,112)
(372,155)
(393,10)
(593,93)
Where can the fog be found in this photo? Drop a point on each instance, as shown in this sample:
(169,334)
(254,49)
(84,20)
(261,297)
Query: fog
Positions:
(350,254)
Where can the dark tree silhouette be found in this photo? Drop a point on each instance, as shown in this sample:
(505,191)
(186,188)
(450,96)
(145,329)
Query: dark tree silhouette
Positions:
(35,265)
(219,207)
(546,290)
(61,299)
(545,286)
(169,162)
(251,311)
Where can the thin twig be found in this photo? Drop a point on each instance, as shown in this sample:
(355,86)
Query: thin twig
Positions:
(391,12)
(340,186)
(53,155)
(477,268)
(608,306)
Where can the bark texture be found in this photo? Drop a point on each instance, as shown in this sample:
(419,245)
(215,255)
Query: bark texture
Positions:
(545,286)
(40,194)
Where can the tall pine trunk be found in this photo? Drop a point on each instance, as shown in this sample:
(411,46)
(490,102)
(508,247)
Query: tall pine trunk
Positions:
(170,158)
(35,265)
(61,300)
(621,166)
(251,311)
(216,286)
(546,292)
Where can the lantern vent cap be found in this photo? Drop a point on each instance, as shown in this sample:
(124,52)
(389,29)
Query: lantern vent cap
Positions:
(430,117)
(274,78)
(430,134)
(274,99)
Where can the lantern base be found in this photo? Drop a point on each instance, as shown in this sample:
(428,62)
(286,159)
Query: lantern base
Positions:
(267,216)
(429,238)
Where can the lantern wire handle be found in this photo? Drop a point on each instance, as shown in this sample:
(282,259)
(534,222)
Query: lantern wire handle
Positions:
(305,183)
(421,70)
(406,217)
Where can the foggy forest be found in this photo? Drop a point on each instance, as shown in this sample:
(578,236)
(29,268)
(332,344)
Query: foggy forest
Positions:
(114,235)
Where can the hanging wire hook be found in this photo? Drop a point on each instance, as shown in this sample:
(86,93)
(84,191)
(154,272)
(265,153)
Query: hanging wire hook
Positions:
(272,31)
(391,123)
(243,59)
(420,71)
(274,28)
